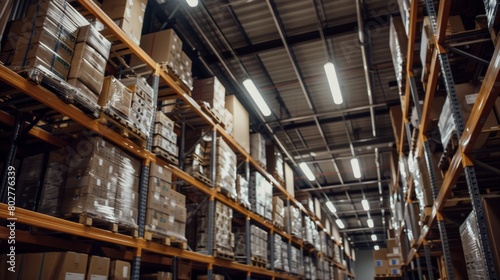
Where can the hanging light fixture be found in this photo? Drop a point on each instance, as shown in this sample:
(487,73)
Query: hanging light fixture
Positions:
(257,97)
(366,204)
(307,171)
(333,82)
(374,237)
(192,3)
(376,247)
(370,223)
(331,207)
(340,223)
(355,168)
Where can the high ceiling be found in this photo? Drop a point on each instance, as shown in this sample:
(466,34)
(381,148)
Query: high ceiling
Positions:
(282,46)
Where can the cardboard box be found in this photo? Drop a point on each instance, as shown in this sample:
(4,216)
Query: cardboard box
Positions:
(160,172)
(119,270)
(163,47)
(82,70)
(39,54)
(98,268)
(159,186)
(57,12)
(84,90)
(87,52)
(64,265)
(289,180)
(91,36)
(48,39)
(381,267)
(274,161)
(177,199)
(393,246)
(184,271)
(116,96)
(394,270)
(180,214)
(157,221)
(130,9)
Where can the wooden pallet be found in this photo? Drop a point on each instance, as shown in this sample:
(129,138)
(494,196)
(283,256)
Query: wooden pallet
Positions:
(224,253)
(91,220)
(211,112)
(176,78)
(202,178)
(119,125)
(157,237)
(258,261)
(165,155)
(426,214)
(277,225)
(181,244)
(227,193)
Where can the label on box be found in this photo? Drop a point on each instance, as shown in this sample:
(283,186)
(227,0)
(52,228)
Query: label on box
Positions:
(74,276)
(378,263)
(125,272)
(471,98)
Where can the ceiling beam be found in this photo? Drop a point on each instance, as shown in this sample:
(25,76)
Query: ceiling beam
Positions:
(340,212)
(349,230)
(293,40)
(379,141)
(357,184)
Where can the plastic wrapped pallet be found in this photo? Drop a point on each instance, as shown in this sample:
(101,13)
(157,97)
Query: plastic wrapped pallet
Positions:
(258,148)
(398,44)
(223,236)
(295,226)
(285,258)
(474,260)
(116,97)
(278,250)
(260,195)
(54,183)
(242,191)
(88,66)
(142,110)
(225,168)
(278,212)
(27,183)
(274,162)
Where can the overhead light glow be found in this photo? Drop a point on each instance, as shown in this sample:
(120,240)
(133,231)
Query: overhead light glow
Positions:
(331,207)
(340,223)
(370,223)
(355,168)
(257,97)
(333,82)
(374,237)
(307,171)
(192,3)
(376,247)
(366,205)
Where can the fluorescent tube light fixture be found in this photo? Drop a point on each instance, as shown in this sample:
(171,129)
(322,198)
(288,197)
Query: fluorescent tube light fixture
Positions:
(355,168)
(366,205)
(307,171)
(333,82)
(257,97)
(331,207)
(374,237)
(192,3)
(376,247)
(340,223)
(370,223)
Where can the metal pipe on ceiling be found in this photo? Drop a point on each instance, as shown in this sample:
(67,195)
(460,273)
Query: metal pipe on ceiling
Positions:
(366,66)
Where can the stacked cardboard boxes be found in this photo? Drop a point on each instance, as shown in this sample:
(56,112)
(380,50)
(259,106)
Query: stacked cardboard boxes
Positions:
(119,270)
(309,268)
(228,121)
(305,199)
(258,148)
(398,44)
(214,277)
(165,47)
(224,239)
(307,229)
(225,167)
(159,209)
(394,259)
(242,191)
(278,212)
(258,243)
(116,98)
(102,181)
(89,62)
(466,95)
(293,215)
(241,131)
(275,163)
(160,275)
(142,107)
(297,264)
(380,261)
(27,184)
(261,193)
(45,37)
(211,92)
(128,15)
(285,260)
(164,139)
(197,163)
(278,252)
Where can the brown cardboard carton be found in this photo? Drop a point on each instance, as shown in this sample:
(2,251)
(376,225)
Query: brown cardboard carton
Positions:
(184,270)
(177,199)
(119,270)
(84,90)
(160,186)
(98,268)
(29,266)
(381,267)
(162,46)
(87,52)
(61,266)
(89,35)
(158,202)
(116,96)
(392,246)
(180,214)
(160,275)
(380,254)
(160,172)
(39,54)
(82,70)
(47,38)
(157,221)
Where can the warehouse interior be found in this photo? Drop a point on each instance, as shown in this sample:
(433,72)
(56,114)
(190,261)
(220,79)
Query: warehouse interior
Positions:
(250,139)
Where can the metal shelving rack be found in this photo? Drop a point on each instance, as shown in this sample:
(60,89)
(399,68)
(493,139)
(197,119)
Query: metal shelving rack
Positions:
(467,133)
(138,245)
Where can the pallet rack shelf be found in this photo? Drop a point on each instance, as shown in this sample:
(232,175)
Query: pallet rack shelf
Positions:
(50,100)
(461,162)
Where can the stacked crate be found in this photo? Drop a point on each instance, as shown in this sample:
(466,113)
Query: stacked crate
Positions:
(285,257)
(212,93)
(275,163)
(224,239)
(116,100)
(242,191)
(54,183)
(46,37)
(160,203)
(179,214)
(142,108)
(228,121)
(258,245)
(278,252)
(102,182)
(297,264)
(89,62)
(293,220)
(197,163)
(164,139)
(128,15)
(225,167)
(278,212)
(261,193)
(307,230)
(27,184)
(398,43)
(258,148)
